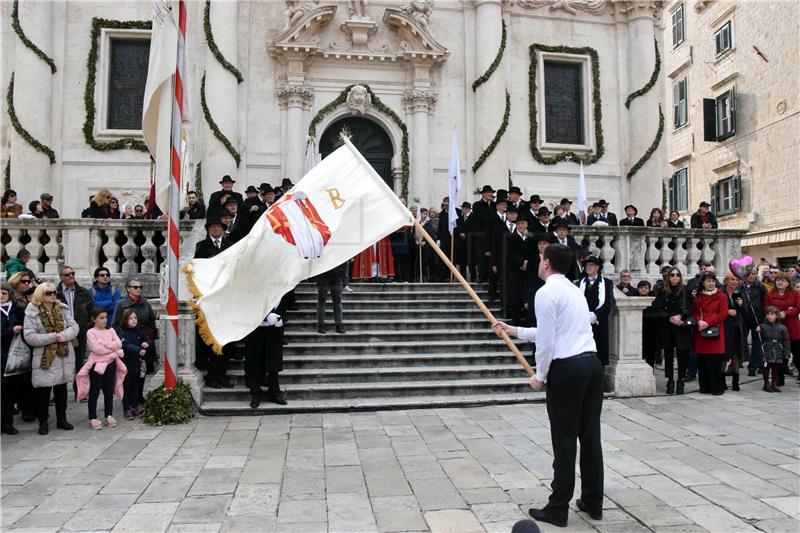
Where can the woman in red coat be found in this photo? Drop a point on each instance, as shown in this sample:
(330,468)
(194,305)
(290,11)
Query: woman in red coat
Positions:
(710,308)
(788,303)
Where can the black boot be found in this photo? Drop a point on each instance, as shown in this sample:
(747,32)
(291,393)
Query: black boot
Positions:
(43,428)
(63,424)
(735,382)
(9,429)
(255,398)
(670,386)
(680,387)
(274,393)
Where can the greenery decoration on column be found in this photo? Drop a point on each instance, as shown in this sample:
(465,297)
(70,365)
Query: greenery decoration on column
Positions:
(488,74)
(587,159)
(503,126)
(27,42)
(213,125)
(198,181)
(7,175)
(642,160)
(650,83)
(212,45)
(21,131)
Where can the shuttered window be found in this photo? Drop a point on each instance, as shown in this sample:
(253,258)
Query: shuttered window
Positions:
(723,39)
(680,102)
(679,190)
(678,27)
(726,196)
(127,77)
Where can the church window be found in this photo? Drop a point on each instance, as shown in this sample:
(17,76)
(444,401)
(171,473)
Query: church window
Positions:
(564,100)
(127,76)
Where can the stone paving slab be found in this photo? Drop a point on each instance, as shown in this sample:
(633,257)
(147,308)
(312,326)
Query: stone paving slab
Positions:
(684,464)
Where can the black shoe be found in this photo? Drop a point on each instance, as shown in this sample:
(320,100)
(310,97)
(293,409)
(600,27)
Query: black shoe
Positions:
(225,382)
(340,329)
(679,389)
(596,515)
(63,424)
(276,397)
(43,428)
(735,383)
(751,372)
(729,371)
(11,430)
(670,388)
(255,399)
(322,330)
(542,515)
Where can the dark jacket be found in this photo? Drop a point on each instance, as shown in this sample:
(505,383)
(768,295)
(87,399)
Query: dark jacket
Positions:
(753,311)
(676,224)
(536,226)
(735,332)
(572,219)
(81,307)
(213,202)
(775,342)
(94,211)
(195,212)
(602,312)
(627,222)
(631,289)
(666,306)
(205,248)
(147,323)
(132,339)
(611,218)
(697,221)
(16,317)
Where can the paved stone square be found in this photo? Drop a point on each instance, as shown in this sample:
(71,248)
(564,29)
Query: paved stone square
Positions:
(683,464)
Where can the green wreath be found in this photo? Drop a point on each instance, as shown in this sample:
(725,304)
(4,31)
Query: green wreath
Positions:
(383,108)
(27,42)
(91,80)
(21,131)
(488,74)
(213,125)
(486,153)
(642,160)
(650,82)
(598,112)
(212,45)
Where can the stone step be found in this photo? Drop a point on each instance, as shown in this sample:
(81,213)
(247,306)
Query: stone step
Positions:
(307,324)
(381,389)
(241,406)
(391,295)
(464,303)
(307,287)
(388,335)
(393,315)
(343,345)
(428,360)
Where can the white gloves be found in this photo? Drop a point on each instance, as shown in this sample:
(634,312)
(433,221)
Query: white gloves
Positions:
(274,319)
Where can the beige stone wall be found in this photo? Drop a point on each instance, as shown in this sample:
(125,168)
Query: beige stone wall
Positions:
(766,147)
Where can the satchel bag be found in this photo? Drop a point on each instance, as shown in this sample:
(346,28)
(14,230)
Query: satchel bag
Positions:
(711,332)
(19,357)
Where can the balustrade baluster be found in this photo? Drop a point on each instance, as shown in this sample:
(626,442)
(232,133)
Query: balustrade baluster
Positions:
(680,255)
(15,244)
(111,250)
(130,250)
(607,254)
(149,251)
(652,256)
(51,249)
(692,255)
(706,253)
(37,250)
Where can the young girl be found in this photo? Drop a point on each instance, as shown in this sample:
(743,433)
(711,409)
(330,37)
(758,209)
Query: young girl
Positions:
(134,346)
(103,370)
(775,340)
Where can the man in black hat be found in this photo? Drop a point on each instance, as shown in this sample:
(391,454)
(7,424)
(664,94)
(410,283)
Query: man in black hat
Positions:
(468,229)
(534,205)
(515,199)
(571,218)
(594,215)
(227,186)
(605,216)
(194,210)
(518,257)
(264,357)
(631,219)
(496,226)
(533,282)
(251,192)
(561,235)
(542,222)
(48,211)
(599,294)
(215,240)
(444,237)
(704,218)
(238,228)
(484,209)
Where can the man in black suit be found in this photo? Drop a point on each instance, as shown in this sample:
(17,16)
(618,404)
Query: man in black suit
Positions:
(571,218)
(515,199)
(539,241)
(502,232)
(704,218)
(561,235)
(534,205)
(495,226)
(599,294)
(214,242)
(238,226)
(468,230)
(594,215)
(445,238)
(518,258)
(483,210)
(605,216)
(631,219)
(227,186)
(542,222)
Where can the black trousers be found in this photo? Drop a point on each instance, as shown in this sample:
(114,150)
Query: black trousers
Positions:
(683,360)
(335,287)
(10,385)
(43,402)
(104,383)
(130,398)
(263,357)
(574,404)
(709,373)
(218,364)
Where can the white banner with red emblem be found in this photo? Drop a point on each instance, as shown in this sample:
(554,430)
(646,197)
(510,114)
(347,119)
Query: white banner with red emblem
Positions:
(338,209)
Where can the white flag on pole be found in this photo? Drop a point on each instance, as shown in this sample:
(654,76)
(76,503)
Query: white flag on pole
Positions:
(311,153)
(157,111)
(582,196)
(453,183)
(332,214)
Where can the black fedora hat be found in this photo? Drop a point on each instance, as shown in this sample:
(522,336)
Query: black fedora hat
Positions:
(565,201)
(514,189)
(535,199)
(541,237)
(635,211)
(215,220)
(560,223)
(251,188)
(487,188)
(543,211)
(227,179)
(512,209)
(467,204)
(593,259)
(602,203)
(265,188)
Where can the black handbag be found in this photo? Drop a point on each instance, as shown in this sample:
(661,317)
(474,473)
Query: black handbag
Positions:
(711,332)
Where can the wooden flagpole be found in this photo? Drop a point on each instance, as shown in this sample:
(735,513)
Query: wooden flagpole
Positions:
(488,314)
(452,248)
(419,247)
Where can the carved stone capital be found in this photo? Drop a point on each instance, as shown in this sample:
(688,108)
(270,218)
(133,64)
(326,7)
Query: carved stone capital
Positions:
(295,96)
(416,101)
(593,7)
(632,9)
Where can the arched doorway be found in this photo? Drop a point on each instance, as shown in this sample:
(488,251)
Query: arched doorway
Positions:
(370,139)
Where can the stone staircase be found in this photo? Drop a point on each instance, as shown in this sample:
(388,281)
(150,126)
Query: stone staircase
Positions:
(408,345)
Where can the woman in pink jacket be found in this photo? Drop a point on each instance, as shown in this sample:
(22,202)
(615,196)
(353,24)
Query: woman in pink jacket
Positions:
(104,369)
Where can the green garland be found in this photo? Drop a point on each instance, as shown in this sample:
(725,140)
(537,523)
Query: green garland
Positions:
(91,80)
(198,181)
(169,406)
(642,160)
(27,42)
(651,81)
(213,125)
(22,132)
(486,75)
(212,45)
(486,153)
(7,175)
(383,108)
(598,113)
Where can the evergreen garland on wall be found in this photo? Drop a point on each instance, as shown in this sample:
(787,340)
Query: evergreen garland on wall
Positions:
(503,126)
(198,182)
(7,175)
(488,74)
(91,81)
(587,159)
(383,108)
(642,160)
(212,45)
(213,125)
(27,42)
(21,131)
(650,83)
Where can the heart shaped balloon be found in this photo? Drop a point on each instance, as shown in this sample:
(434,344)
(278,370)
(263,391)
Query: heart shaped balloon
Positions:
(741,267)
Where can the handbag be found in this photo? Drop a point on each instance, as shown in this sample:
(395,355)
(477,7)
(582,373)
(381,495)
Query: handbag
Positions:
(711,332)
(19,357)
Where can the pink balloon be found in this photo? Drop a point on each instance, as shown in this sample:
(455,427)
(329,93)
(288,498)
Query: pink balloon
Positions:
(741,267)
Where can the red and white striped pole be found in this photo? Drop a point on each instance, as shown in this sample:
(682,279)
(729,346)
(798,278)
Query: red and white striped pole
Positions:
(173,234)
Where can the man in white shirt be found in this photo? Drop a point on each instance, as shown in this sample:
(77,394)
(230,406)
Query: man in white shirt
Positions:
(567,365)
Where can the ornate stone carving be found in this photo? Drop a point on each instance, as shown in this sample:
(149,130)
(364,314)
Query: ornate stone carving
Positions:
(358,31)
(302,36)
(358,9)
(294,96)
(594,7)
(420,10)
(358,99)
(417,42)
(416,101)
(295,9)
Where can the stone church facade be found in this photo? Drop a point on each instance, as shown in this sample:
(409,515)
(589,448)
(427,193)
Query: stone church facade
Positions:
(531,87)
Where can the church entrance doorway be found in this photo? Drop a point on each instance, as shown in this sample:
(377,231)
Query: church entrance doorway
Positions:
(370,139)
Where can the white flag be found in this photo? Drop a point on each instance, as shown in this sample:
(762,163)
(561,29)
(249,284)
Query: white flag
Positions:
(311,153)
(453,183)
(332,214)
(582,196)
(157,112)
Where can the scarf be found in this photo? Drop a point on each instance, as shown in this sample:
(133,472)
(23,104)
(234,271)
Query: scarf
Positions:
(712,292)
(53,322)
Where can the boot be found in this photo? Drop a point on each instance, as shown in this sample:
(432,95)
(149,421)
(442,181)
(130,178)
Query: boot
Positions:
(63,424)
(679,390)
(255,398)
(670,386)
(774,386)
(43,428)
(766,387)
(274,393)
(735,384)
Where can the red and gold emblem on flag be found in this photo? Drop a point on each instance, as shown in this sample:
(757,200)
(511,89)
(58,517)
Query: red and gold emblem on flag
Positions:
(295,218)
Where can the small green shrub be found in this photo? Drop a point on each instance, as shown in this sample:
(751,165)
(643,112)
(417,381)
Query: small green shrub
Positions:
(169,406)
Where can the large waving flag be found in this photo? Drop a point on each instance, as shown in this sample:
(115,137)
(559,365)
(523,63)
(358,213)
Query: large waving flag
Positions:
(333,213)
(158,97)
(454,184)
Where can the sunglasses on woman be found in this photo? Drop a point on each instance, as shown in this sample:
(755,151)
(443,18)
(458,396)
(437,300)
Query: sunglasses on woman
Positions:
(50,293)
(675,275)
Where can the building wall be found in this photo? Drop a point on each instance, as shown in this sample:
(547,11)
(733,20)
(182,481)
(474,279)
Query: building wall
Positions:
(765,147)
(257,120)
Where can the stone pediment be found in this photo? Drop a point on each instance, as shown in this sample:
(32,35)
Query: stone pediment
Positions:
(417,41)
(303,35)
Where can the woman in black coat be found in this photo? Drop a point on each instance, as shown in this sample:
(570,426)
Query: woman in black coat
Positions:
(12,317)
(674,308)
(735,328)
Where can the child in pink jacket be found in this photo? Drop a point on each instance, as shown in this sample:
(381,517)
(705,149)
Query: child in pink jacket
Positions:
(104,369)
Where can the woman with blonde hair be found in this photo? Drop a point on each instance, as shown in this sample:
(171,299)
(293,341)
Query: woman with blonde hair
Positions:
(100,206)
(49,329)
(20,282)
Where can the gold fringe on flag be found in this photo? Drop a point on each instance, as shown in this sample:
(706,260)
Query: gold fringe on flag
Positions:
(200,321)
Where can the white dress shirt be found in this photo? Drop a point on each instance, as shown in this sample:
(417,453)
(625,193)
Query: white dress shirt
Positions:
(562,318)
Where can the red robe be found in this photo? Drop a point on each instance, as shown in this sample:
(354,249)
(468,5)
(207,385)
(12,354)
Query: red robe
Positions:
(363,262)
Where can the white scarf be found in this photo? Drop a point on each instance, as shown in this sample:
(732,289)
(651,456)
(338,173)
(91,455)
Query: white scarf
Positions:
(601,289)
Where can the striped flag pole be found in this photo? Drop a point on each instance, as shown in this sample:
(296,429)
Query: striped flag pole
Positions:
(173,235)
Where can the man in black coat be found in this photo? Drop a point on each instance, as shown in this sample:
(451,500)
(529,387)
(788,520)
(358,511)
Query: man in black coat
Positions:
(631,219)
(561,235)
(515,199)
(80,304)
(599,294)
(518,258)
(542,222)
(605,216)
(444,237)
(570,217)
(704,218)
(467,233)
(264,357)
(330,281)
(502,233)
(533,282)
(483,210)
(227,186)
(194,210)
(215,240)
(496,225)
(239,226)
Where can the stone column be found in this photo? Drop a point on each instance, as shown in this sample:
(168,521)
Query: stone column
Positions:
(490,98)
(419,106)
(222,98)
(627,373)
(31,172)
(187,372)
(295,99)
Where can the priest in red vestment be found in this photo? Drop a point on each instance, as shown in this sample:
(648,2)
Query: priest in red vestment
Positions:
(376,261)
